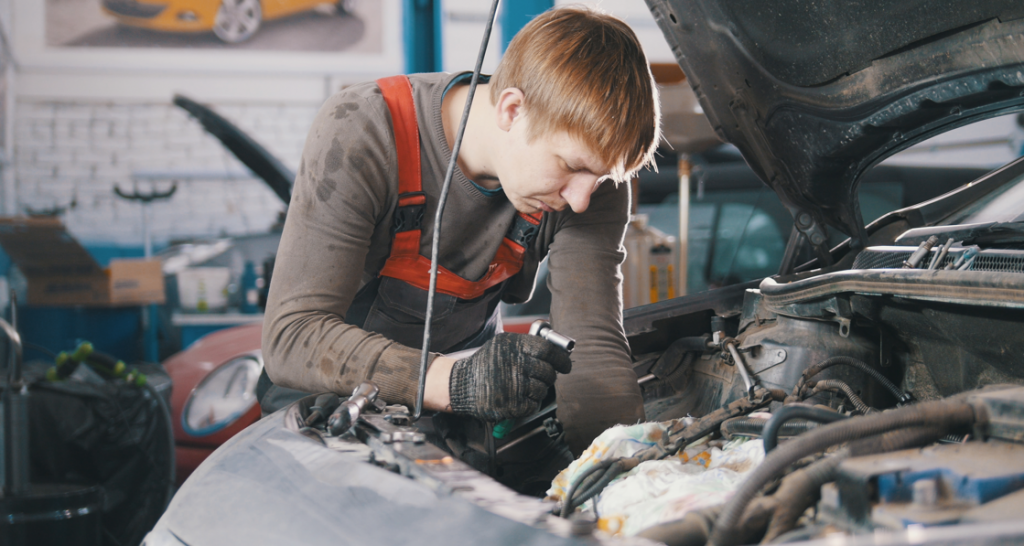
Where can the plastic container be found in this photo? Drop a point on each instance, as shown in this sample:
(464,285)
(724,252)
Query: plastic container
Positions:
(250,292)
(649,270)
(203,289)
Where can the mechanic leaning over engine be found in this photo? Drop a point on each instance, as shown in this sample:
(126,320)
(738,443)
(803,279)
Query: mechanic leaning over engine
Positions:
(569,116)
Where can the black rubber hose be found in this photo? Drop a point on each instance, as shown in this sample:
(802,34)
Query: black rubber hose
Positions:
(837,385)
(785,413)
(814,370)
(692,530)
(801,489)
(940,413)
(746,426)
(567,504)
(606,478)
(896,440)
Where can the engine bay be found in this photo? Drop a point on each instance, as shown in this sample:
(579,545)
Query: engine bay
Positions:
(885,394)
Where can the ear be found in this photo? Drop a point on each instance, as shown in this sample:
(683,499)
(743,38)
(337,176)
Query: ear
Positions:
(509,107)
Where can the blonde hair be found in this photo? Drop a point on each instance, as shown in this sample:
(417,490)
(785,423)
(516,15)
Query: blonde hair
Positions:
(583,71)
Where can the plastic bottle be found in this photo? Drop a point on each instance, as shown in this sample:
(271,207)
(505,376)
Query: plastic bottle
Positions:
(250,292)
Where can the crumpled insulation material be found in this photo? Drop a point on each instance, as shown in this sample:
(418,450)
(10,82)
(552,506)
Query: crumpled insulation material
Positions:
(662,490)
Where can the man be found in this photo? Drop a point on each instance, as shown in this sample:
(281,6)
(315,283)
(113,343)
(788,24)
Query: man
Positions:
(570,114)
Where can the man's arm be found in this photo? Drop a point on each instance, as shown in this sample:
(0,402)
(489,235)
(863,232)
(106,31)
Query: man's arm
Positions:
(338,221)
(585,260)
(343,190)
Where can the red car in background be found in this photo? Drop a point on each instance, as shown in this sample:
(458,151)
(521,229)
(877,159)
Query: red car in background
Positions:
(214,395)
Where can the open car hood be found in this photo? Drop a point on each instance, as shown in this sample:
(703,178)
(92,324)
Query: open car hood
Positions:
(813,92)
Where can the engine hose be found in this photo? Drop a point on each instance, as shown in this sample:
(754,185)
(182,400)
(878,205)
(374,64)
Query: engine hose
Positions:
(692,530)
(696,525)
(590,483)
(901,397)
(896,440)
(578,485)
(755,427)
(786,413)
(606,478)
(837,385)
(939,413)
(801,489)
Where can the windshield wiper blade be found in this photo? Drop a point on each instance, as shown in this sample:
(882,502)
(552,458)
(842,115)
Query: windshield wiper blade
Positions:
(986,233)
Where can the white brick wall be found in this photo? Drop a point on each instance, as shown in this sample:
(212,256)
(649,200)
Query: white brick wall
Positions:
(66,151)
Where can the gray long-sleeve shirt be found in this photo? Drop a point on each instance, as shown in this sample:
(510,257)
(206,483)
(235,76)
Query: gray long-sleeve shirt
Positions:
(337,237)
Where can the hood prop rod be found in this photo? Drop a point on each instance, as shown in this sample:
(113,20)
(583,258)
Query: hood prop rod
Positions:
(425,353)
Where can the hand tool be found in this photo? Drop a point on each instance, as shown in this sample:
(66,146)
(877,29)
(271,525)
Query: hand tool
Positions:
(543,329)
(348,411)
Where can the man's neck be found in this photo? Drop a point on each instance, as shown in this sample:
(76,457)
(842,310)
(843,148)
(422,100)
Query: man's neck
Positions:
(473,155)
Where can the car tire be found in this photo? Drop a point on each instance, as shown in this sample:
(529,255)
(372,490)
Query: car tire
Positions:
(237,20)
(344,7)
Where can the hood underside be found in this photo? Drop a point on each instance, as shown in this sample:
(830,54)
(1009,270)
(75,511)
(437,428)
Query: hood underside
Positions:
(813,92)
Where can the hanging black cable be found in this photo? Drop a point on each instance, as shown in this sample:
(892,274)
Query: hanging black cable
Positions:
(440,209)
(901,397)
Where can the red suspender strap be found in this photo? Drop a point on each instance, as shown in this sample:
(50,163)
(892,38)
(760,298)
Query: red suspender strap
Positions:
(406,263)
(397,92)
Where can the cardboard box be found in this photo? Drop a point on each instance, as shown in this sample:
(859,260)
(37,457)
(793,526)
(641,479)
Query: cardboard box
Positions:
(59,271)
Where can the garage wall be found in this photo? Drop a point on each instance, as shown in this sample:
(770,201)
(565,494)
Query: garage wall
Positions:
(81,123)
(71,154)
(85,119)
(77,124)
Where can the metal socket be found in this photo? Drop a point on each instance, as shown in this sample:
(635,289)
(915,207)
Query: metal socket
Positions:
(543,329)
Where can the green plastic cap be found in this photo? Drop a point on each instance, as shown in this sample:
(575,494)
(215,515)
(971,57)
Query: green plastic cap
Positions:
(503,428)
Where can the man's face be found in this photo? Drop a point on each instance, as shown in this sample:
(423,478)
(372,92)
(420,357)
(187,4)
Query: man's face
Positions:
(551,172)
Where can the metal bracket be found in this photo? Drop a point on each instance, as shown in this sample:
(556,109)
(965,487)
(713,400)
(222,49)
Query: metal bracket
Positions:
(389,432)
(815,233)
(761,358)
(836,309)
(844,326)
(402,436)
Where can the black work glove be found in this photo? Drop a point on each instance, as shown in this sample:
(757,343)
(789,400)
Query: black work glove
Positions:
(507,378)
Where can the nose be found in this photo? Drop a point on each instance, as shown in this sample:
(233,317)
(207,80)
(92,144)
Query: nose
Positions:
(577,192)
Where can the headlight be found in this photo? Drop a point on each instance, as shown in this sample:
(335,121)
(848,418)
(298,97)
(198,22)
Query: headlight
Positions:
(221,398)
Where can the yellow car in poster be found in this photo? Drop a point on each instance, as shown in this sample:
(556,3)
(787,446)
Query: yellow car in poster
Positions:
(232,21)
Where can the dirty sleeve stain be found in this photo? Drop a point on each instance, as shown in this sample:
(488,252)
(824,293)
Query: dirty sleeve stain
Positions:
(326,363)
(342,111)
(335,157)
(359,165)
(325,188)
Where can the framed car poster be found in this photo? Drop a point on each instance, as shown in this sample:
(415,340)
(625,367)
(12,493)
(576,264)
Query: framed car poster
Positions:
(291,36)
